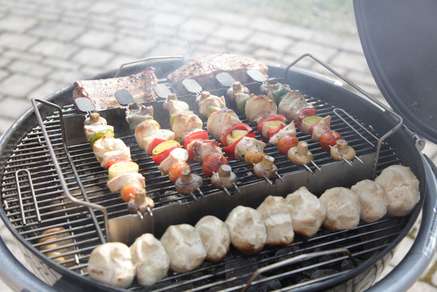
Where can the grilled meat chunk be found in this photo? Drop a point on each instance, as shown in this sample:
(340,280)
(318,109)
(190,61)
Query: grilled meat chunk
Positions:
(372,200)
(215,237)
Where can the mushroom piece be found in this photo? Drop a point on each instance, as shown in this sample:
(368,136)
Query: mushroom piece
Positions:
(224,178)
(150,259)
(342,150)
(174,106)
(188,182)
(95,119)
(306,211)
(209,103)
(342,208)
(266,167)
(277,219)
(372,200)
(215,237)
(236,89)
(401,188)
(111,263)
(274,89)
(247,229)
(300,154)
(323,126)
(184,247)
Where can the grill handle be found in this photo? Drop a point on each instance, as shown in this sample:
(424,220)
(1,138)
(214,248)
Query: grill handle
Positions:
(67,193)
(421,253)
(293,260)
(369,97)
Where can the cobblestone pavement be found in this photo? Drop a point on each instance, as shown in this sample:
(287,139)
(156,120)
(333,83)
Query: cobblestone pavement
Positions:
(47,44)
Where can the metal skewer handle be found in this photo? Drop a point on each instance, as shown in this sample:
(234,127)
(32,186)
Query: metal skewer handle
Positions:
(364,93)
(58,169)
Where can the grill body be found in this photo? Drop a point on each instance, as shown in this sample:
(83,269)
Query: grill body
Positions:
(370,244)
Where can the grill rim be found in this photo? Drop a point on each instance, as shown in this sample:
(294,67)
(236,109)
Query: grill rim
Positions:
(307,74)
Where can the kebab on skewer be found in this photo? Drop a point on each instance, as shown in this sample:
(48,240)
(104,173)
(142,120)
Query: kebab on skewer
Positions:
(189,128)
(114,155)
(238,138)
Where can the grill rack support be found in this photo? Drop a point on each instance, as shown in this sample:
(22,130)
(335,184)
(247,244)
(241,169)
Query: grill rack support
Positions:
(364,93)
(67,193)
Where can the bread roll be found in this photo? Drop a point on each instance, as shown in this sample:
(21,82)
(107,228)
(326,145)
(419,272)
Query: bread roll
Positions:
(150,259)
(306,211)
(401,188)
(372,200)
(215,237)
(111,263)
(342,208)
(184,247)
(247,229)
(277,219)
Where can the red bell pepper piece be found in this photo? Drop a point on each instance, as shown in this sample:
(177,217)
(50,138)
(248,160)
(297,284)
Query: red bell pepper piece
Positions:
(197,135)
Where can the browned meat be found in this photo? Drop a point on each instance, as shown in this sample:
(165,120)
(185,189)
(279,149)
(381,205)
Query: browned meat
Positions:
(201,69)
(101,91)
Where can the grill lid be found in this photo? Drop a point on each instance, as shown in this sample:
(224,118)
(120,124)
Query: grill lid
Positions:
(399,42)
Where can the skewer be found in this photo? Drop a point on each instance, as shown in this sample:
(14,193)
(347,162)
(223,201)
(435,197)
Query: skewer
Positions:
(200,192)
(227,191)
(140,214)
(268,180)
(308,168)
(149,210)
(347,161)
(236,187)
(359,159)
(279,176)
(193,195)
(315,165)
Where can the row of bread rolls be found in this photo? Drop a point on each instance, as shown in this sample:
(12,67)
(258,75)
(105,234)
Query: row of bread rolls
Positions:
(184,247)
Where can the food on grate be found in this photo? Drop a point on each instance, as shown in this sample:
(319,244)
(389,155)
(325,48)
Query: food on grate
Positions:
(55,246)
(123,174)
(293,105)
(174,106)
(401,188)
(275,90)
(150,259)
(266,167)
(102,91)
(202,69)
(183,123)
(342,150)
(308,123)
(111,263)
(247,229)
(210,103)
(178,155)
(220,121)
(300,154)
(287,131)
(215,237)
(277,219)
(224,178)
(258,107)
(122,167)
(285,143)
(332,138)
(95,132)
(137,113)
(236,89)
(248,144)
(184,247)
(106,144)
(187,182)
(306,211)
(372,200)
(342,208)
(321,127)
(270,125)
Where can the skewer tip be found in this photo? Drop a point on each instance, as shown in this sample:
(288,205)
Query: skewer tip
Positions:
(149,210)
(227,191)
(279,176)
(308,168)
(200,192)
(236,187)
(268,180)
(359,159)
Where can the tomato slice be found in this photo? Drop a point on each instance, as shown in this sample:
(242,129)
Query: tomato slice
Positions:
(197,135)
(329,139)
(154,143)
(285,143)
(158,158)
(128,192)
(274,117)
(176,170)
(239,126)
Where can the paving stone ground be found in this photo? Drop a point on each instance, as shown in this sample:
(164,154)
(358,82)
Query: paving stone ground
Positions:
(48,44)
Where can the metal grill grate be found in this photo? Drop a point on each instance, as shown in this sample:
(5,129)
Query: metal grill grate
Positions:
(82,235)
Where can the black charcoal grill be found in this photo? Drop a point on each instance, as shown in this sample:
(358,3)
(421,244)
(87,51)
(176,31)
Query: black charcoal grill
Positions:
(33,198)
